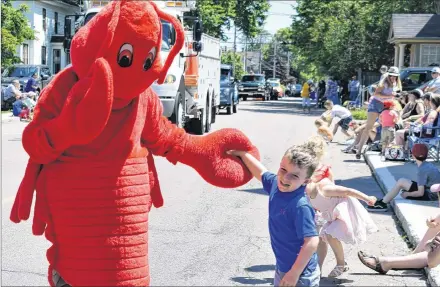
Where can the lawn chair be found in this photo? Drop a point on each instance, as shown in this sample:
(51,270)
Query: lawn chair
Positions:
(433,143)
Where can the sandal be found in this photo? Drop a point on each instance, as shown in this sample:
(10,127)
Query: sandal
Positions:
(376,267)
(338,270)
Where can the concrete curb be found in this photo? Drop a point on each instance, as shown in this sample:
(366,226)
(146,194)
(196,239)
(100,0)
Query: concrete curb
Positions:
(403,209)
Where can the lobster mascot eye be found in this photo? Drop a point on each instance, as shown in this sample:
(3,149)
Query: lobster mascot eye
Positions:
(91,143)
(150,59)
(125,56)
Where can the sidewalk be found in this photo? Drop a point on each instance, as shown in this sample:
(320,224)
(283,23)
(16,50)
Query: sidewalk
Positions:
(411,214)
(7,117)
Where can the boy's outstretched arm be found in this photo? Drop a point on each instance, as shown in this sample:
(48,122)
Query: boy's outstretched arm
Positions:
(254,165)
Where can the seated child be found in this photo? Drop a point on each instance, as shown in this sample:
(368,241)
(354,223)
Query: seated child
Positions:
(388,119)
(323,130)
(342,113)
(427,175)
(25,114)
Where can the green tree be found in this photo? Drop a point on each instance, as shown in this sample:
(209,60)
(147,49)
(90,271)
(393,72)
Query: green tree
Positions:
(15,30)
(250,16)
(229,59)
(339,37)
(218,15)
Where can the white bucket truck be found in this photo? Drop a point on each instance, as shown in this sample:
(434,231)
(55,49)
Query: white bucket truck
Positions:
(190,95)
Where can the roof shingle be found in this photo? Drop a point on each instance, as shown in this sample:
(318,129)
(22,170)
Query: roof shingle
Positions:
(415,26)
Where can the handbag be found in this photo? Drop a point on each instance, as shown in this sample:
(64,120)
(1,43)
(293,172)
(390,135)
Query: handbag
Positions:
(394,152)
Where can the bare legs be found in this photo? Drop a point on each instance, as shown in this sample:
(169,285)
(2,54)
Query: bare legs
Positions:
(402,183)
(418,259)
(371,119)
(412,261)
(338,250)
(322,252)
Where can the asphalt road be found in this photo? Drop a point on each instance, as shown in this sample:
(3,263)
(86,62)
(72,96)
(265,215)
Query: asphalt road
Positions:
(204,235)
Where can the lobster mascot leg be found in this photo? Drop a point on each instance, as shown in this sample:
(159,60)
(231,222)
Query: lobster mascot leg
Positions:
(90,146)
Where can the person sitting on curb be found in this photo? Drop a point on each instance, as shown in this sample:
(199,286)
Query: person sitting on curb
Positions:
(427,175)
(340,112)
(426,254)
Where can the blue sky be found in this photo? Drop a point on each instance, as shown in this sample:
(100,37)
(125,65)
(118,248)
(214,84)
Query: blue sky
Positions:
(279,17)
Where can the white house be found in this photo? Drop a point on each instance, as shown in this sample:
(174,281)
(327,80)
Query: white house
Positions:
(46,17)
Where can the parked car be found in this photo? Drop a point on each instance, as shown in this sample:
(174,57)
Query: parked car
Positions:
(22,73)
(254,86)
(228,90)
(411,78)
(275,80)
(297,90)
(277,91)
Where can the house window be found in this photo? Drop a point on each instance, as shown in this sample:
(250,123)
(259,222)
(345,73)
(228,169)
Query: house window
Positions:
(44,19)
(56,60)
(67,57)
(43,55)
(429,54)
(56,23)
(25,54)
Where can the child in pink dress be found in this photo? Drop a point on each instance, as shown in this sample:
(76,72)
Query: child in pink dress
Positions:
(342,218)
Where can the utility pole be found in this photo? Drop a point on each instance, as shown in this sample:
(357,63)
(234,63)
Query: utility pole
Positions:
(245,55)
(260,57)
(235,50)
(274,58)
(288,65)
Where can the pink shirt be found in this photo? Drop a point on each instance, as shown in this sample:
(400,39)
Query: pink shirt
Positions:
(387,118)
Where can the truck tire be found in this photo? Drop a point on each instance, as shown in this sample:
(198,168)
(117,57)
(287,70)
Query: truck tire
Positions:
(234,109)
(198,125)
(208,116)
(244,98)
(178,116)
(215,111)
(230,107)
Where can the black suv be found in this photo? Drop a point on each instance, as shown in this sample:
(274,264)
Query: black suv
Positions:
(254,86)
(411,78)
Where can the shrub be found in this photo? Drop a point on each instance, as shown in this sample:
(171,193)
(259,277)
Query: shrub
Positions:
(360,114)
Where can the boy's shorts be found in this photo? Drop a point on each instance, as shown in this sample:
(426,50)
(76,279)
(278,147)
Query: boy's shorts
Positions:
(345,123)
(307,279)
(387,134)
(427,195)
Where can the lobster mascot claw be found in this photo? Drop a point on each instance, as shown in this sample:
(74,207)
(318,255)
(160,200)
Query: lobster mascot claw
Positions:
(91,143)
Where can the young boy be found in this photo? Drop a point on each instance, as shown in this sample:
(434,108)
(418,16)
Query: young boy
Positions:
(342,113)
(292,229)
(427,175)
(305,95)
(388,119)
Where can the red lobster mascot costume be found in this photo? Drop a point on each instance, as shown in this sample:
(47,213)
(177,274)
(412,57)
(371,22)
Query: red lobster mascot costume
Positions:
(91,145)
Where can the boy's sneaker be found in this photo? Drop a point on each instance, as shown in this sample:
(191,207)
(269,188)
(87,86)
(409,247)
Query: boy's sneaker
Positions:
(378,206)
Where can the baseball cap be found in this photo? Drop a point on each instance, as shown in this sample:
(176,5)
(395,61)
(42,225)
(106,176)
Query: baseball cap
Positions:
(435,70)
(419,151)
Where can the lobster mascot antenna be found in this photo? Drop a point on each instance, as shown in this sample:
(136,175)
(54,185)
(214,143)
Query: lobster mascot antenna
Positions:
(91,143)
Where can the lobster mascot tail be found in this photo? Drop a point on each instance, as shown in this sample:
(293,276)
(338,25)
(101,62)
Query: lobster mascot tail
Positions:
(91,143)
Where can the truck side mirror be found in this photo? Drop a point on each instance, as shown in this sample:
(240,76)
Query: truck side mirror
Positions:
(197,46)
(68,28)
(197,30)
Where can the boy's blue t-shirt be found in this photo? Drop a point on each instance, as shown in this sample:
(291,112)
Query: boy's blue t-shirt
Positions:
(291,219)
